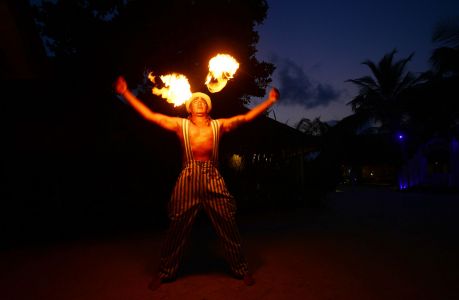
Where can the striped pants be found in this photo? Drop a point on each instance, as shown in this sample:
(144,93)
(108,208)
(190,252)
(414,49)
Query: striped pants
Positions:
(200,186)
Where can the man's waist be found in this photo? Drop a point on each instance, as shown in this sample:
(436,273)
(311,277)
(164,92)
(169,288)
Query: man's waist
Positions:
(201,163)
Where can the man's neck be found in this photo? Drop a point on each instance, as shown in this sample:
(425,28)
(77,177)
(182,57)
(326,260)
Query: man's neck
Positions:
(200,120)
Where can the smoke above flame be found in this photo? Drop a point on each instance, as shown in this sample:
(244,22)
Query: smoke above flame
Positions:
(222,68)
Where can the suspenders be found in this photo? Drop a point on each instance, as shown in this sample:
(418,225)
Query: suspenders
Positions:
(186,140)
(187,144)
(216,133)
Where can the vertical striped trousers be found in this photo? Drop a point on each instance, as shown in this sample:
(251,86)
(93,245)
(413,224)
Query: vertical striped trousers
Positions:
(200,186)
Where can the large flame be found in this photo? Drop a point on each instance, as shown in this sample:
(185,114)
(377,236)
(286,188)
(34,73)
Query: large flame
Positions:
(221,69)
(176,88)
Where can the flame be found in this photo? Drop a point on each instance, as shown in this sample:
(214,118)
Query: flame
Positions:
(221,69)
(176,88)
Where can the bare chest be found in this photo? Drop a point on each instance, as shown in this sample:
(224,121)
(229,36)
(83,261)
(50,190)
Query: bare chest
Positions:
(200,135)
(201,141)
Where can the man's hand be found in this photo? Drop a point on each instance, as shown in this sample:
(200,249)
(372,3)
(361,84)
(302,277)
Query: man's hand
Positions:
(120,85)
(274,94)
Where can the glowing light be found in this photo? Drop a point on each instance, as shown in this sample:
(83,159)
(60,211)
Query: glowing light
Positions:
(236,162)
(222,68)
(176,88)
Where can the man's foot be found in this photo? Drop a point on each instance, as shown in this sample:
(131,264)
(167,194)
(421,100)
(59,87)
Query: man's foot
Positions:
(248,280)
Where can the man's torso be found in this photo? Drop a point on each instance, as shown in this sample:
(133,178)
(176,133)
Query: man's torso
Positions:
(201,141)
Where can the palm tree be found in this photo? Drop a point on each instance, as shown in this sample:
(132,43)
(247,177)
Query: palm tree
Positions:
(380,94)
(445,59)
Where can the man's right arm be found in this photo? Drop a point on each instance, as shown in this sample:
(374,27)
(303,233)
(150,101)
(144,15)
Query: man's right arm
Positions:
(231,123)
(166,122)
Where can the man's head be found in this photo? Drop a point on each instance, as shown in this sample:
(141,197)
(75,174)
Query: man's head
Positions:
(198,99)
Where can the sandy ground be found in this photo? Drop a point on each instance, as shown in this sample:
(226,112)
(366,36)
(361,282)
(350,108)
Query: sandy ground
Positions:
(364,243)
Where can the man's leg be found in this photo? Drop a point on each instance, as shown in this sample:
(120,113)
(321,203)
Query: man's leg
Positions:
(177,235)
(223,220)
(182,210)
(220,206)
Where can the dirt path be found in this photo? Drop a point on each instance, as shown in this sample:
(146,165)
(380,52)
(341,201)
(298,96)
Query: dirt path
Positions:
(365,243)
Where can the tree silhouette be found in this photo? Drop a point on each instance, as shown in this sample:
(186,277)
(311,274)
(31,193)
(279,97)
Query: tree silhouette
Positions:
(445,59)
(93,41)
(433,103)
(380,96)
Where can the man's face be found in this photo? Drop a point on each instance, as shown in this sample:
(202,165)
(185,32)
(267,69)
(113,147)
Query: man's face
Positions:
(198,106)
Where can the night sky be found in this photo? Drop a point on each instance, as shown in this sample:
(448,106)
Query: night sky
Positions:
(318,45)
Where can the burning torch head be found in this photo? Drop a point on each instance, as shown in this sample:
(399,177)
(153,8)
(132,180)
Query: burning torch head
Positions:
(198,95)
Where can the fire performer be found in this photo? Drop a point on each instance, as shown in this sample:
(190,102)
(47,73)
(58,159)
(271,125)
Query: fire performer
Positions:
(200,185)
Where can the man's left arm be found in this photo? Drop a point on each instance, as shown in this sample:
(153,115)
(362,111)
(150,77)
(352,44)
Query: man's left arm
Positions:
(233,122)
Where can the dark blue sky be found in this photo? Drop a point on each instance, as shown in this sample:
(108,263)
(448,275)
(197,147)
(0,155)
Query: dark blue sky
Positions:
(317,45)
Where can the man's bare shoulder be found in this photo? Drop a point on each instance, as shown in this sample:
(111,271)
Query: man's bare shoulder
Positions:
(178,121)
